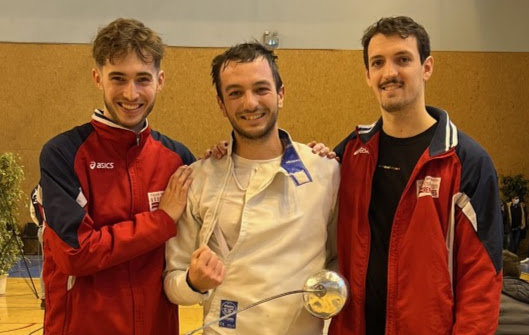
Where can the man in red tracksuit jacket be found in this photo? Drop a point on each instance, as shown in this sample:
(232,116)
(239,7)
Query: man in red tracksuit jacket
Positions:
(419,232)
(106,213)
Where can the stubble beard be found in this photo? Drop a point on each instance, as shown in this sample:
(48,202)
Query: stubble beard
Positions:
(393,107)
(265,133)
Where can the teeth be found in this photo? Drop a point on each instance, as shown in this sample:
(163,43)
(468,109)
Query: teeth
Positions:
(130,106)
(390,87)
(252,117)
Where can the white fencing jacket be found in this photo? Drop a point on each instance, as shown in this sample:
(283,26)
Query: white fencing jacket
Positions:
(286,235)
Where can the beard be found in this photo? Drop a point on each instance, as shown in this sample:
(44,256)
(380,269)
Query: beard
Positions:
(394,106)
(259,134)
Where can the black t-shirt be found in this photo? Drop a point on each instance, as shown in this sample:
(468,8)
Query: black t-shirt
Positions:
(397,158)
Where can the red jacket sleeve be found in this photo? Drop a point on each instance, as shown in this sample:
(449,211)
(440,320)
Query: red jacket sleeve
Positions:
(477,246)
(77,244)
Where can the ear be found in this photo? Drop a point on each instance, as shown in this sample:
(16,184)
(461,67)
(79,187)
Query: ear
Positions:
(221,106)
(368,78)
(161,80)
(280,96)
(427,68)
(97,77)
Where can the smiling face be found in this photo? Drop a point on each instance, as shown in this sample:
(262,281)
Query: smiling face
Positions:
(129,88)
(250,99)
(395,73)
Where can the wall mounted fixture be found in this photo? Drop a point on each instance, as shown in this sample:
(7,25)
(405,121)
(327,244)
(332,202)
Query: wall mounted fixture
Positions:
(271,39)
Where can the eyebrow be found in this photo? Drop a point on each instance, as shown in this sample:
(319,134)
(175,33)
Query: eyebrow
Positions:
(399,53)
(139,74)
(404,52)
(257,83)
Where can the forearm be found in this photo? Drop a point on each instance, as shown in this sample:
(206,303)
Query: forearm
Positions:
(179,291)
(178,251)
(113,244)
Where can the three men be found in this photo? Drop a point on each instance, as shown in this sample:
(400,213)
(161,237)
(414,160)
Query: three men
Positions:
(419,229)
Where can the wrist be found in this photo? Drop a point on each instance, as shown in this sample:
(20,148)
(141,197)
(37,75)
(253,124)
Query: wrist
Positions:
(191,286)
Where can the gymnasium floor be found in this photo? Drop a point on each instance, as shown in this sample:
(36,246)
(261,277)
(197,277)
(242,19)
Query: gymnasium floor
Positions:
(20,312)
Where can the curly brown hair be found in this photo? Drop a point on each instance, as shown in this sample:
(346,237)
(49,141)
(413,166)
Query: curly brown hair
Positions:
(122,36)
(402,26)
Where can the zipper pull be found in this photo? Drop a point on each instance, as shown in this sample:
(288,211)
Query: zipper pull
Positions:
(138,139)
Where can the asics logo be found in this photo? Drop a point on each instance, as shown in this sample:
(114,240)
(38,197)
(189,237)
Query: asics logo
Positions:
(101,165)
(362,150)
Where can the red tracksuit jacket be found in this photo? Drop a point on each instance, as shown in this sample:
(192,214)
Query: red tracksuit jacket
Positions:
(104,239)
(444,262)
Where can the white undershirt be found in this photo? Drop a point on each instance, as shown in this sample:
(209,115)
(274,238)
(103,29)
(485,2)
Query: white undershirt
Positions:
(248,177)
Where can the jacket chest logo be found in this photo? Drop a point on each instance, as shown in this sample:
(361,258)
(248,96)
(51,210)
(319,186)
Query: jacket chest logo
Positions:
(429,186)
(101,165)
(362,150)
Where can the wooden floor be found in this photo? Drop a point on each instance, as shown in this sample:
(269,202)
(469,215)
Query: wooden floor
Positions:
(20,312)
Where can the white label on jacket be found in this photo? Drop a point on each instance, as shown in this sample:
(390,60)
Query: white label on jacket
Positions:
(228,307)
(81,199)
(429,186)
(154,200)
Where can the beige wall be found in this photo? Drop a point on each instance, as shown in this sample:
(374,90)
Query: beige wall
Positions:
(47,88)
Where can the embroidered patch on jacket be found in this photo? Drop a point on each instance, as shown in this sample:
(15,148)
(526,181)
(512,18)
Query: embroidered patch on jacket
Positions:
(429,186)
(228,307)
(154,200)
(362,150)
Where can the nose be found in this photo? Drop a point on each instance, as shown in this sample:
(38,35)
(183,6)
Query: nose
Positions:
(250,101)
(390,70)
(130,91)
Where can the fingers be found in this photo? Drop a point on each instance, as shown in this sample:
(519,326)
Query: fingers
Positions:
(206,270)
(322,150)
(179,179)
(319,148)
(182,175)
(206,155)
(174,198)
(217,151)
(220,150)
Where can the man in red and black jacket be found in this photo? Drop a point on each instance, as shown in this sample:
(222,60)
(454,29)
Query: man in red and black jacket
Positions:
(111,198)
(420,226)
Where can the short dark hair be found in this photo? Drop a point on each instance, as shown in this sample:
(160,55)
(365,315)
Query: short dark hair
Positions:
(511,264)
(122,36)
(402,26)
(244,53)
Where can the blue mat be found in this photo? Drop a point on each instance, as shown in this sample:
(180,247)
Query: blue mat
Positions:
(19,270)
(35,265)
